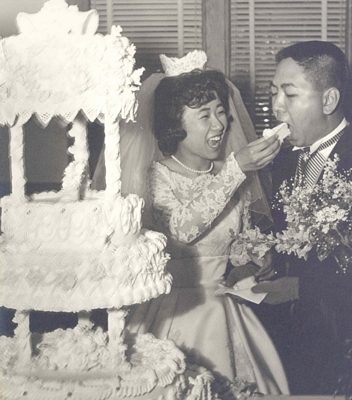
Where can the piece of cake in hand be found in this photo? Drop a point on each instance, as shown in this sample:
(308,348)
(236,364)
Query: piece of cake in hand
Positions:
(281,130)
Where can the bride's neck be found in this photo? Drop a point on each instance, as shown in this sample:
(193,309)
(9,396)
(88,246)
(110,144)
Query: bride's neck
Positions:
(193,163)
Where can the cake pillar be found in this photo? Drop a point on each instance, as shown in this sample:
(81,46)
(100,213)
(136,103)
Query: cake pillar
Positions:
(116,325)
(16,150)
(23,337)
(75,171)
(112,159)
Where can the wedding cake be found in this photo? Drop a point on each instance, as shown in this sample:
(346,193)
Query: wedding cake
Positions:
(76,249)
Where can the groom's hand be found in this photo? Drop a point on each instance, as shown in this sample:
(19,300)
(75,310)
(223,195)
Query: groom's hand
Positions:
(279,291)
(241,272)
(258,153)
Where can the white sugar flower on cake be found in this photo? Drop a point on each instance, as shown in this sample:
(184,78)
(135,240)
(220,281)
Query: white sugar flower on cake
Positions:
(77,250)
(91,72)
(63,239)
(49,20)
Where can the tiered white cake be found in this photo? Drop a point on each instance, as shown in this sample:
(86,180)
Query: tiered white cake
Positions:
(76,250)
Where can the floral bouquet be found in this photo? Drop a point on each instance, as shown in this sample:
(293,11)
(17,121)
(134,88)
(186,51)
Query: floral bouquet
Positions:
(250,245)
(318,218)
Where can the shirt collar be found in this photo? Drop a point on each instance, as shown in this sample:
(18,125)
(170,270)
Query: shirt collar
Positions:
(312,148)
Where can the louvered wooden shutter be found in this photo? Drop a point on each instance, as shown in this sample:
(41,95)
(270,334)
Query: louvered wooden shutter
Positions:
(173,27)
(259,28)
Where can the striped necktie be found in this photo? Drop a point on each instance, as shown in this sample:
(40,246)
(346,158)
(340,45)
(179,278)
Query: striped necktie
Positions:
(303,156)
(309,167)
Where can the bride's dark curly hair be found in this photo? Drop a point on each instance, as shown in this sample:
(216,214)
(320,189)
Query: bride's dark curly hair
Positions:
(192,89)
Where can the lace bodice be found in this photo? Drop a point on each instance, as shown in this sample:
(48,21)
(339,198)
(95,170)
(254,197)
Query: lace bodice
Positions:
(198,214)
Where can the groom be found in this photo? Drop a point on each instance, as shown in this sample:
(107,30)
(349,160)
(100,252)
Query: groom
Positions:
(311,92)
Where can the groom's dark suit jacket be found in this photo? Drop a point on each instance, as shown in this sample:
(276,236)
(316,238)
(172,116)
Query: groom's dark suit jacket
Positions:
(312,330)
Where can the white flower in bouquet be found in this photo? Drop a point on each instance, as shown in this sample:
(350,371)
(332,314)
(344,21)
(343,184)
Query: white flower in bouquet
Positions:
(294,240)
(250,245)
(319,218)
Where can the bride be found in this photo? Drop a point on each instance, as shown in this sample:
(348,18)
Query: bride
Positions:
(198,193)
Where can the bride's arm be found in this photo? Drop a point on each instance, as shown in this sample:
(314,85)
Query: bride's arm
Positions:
(187,218)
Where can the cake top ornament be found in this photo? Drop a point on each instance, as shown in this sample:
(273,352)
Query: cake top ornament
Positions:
(48,19)
(59,66)
(174,66)
(83,71)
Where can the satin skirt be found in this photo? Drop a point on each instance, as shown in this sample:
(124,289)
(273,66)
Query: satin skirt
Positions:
(217,332)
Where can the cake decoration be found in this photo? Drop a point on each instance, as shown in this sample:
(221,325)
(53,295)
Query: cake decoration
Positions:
(77,249)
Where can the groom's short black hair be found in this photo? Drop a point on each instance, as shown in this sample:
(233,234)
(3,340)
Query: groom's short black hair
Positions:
(192,89)
(325,66)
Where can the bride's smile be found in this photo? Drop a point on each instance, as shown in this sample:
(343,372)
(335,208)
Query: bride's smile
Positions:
(205,127)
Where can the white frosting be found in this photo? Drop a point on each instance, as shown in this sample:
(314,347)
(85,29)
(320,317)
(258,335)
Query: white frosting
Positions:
(93,73)
(49,19)
(77,169)
(76,250)
(73,281)
(50,223)
(23,338)
(281,130)
(17,163)
(112,159)
(71,350)
(79,255)
(77,358)
(117,347)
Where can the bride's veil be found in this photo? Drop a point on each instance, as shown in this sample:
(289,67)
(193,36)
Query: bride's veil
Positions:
(138,149)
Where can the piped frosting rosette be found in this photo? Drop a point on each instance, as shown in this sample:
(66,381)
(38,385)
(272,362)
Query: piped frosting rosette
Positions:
(57,65)
(155,366)
(130,269)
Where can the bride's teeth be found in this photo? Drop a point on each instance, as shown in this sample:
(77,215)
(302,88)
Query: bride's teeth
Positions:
(215,140)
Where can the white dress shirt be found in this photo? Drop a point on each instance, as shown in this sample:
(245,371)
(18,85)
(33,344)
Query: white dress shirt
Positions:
(325,152)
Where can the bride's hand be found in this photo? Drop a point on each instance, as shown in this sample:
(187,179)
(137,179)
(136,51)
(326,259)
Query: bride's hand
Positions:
(258,153)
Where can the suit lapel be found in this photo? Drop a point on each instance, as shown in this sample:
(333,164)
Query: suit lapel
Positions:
(343,149)
(284,167)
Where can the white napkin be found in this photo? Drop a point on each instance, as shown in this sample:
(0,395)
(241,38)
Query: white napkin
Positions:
(242,289)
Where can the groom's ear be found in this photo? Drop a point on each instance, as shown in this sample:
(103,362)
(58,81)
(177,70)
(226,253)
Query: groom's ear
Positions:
(331,98)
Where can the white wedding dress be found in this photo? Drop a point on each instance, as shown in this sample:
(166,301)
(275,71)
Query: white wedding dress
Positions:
(223,335)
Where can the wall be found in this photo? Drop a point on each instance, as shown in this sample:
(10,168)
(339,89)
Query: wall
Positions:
(45,153)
